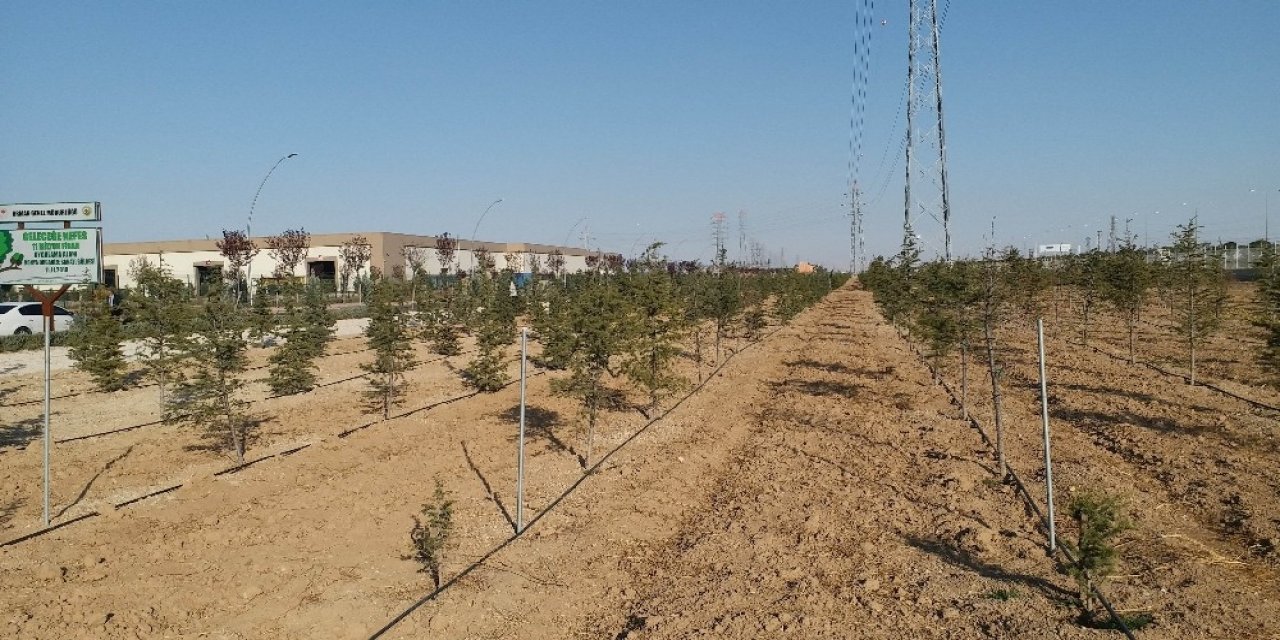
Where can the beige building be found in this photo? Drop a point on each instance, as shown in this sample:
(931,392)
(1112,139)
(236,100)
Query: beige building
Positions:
(193,260)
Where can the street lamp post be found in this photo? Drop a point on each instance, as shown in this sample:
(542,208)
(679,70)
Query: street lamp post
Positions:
(477,229)
(248,227)
(1266,213)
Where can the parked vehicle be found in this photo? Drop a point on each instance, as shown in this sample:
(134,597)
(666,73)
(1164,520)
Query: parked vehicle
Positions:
(21,318)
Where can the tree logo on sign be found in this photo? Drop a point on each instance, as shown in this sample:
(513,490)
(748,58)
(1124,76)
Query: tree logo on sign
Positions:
(6,251)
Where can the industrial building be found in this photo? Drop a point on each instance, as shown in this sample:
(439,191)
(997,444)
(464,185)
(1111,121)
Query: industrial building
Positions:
(194,260)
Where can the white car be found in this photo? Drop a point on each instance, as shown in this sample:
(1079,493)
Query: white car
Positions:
(21,318)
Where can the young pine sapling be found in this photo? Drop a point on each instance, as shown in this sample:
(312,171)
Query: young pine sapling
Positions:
(209,398)
(655,327)
(597,338)
(1200,284)
(392,346)
(1098,519)
(97,343)
(161,314)
(432,535)
(487,372)
(1126,279)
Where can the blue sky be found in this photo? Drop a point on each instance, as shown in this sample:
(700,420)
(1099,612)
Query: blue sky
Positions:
(644,118)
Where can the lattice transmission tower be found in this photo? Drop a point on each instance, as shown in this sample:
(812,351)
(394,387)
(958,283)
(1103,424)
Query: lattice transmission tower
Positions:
(864,15)
(718,238)
(927,198)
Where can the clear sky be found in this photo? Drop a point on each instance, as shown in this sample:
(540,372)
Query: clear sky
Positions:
(645,118)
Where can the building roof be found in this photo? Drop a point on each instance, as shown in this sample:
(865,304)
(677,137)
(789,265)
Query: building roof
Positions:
(337,239)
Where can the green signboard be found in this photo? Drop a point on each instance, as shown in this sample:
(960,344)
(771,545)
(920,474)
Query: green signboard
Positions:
(50,256)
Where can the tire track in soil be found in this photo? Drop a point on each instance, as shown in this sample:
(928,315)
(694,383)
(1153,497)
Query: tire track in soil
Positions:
(856,507)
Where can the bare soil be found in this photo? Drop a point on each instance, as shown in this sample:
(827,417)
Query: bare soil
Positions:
(1228,357)
(820,485)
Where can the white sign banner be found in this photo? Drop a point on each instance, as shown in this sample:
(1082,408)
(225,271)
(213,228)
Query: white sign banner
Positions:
(50,256)
(51,212)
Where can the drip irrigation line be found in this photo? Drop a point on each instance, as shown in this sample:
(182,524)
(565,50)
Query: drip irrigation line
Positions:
(279,454)
(240,467)
(153,494)
(1199,383)
(359,376)
(111,432)
(587,473)
(147,385)
(179,418)
(438,403)
(49,529)
(1022,488)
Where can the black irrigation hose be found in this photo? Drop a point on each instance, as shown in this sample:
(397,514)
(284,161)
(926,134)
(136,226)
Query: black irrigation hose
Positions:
(111,432)
(245,465)
(49,529)
(144,496)
(152,384)
(363,375)
(565,494)
(1175,374)
(1022,488)
(176,418)
(240,467)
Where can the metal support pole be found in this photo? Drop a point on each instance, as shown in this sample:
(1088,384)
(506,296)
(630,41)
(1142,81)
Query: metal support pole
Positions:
(46,313)
(48,440)
(248,229)
(476,230)
(524,349)
(1048,456)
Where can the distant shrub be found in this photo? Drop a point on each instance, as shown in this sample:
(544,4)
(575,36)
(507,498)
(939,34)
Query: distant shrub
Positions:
(32,342)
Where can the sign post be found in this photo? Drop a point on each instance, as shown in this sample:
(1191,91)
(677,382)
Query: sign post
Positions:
(60,257)
(46,308)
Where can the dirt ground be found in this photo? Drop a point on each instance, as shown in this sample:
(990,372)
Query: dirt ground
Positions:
(820,485)
(1227,357)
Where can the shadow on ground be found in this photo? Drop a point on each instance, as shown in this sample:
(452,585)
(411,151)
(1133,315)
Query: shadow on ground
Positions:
(539,424)
(962,559)
(818,387)
(20,434)
(829,367)
(8,511)
(488,488)
(214,438)
(89,485)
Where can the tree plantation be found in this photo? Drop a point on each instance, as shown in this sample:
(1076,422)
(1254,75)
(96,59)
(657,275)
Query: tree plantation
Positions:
(710,451)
